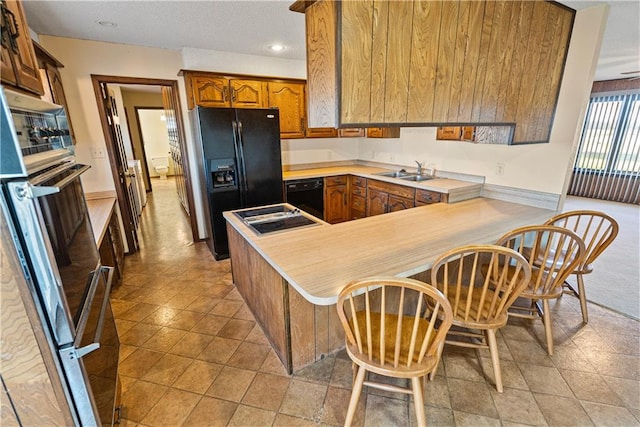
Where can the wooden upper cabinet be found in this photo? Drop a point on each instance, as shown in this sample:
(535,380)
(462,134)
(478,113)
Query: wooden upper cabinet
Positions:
(248,93)
(351,132)
(321,132)
(383,132)
(19,66)
(431,63)
(52,82)
(289,98)
(209,90)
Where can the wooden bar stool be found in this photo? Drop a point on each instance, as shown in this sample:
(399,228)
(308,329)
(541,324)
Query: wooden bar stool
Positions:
(597,230)
(480,303)
(394,327)
(553,254)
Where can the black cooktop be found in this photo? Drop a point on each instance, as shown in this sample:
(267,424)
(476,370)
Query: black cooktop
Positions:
(274,218)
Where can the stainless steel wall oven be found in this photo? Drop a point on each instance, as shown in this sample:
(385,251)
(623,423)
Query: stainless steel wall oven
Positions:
(43,200)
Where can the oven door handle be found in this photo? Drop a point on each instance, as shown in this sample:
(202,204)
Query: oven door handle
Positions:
(83,351)
(38,191)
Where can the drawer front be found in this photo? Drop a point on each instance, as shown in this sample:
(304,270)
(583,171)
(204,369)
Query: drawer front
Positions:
(427,196)
(398,190)
(335,180)
(359,191)
(358,203)
(356,214)
(358,181)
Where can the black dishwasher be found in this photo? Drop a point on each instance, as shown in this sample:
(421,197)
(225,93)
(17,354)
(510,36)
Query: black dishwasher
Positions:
(307,195)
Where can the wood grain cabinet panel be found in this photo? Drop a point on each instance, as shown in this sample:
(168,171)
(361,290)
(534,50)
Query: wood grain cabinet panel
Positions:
(351,132)
(52,81)
(248,93)
(209,91)
(465,63)
(288,97)
(383,132)
(321,132)
(19,65)
(427,197)
(358,196)
(336,199)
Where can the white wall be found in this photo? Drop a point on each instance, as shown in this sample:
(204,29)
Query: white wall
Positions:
(81,58)
(236,63)
(155,138)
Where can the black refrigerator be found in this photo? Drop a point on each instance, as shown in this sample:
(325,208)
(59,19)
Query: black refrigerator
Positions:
(240,162)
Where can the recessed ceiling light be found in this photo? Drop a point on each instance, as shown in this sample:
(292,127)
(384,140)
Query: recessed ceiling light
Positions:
(276,47)
(107,23)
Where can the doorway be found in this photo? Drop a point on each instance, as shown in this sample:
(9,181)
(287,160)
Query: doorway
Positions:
(121,150)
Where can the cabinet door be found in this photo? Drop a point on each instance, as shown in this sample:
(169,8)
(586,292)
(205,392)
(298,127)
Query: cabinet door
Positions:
(211,91)
(321,133)
(351,132)
(377,202)
(57,91)
(8,75)
(383,132)
(25,67)
(336,204)
(288,97)
(249,93)
(399,203)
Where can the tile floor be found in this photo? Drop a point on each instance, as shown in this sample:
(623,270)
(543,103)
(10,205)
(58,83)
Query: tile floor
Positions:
(192,355)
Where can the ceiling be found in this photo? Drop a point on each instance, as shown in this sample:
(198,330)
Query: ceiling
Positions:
(250,26)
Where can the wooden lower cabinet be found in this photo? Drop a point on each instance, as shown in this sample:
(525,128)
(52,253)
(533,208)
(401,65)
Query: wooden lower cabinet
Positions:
(427,197)
(112,249)
(336,199)
(396,203)
(358,197)
(383,197)
(377,202)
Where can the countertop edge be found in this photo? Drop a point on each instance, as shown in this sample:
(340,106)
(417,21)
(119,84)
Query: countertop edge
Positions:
(462,190)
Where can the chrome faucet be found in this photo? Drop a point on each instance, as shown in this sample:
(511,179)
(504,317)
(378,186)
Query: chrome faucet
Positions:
(419,169)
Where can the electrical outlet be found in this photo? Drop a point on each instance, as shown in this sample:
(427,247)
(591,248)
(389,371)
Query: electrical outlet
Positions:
(97,153)
(499,168)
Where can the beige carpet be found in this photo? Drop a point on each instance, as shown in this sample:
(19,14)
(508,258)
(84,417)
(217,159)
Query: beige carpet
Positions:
(615,281)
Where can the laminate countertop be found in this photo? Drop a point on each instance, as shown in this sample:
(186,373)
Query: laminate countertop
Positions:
(100,211)
(319,260)
(457,190)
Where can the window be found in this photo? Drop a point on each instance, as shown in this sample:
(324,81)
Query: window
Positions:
(608,162)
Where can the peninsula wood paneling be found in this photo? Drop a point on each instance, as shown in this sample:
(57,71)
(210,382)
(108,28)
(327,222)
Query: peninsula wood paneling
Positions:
(458,62)
(264,291)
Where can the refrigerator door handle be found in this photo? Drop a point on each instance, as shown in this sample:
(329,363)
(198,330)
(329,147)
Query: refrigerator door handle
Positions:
(245,186)
(238,152)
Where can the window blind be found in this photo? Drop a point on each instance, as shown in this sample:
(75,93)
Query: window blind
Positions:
(607,165)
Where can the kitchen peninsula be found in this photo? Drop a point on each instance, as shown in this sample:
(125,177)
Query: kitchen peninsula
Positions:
(291,279)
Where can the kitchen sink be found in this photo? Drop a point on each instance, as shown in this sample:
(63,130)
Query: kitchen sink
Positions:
(416,178)
(396,174)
